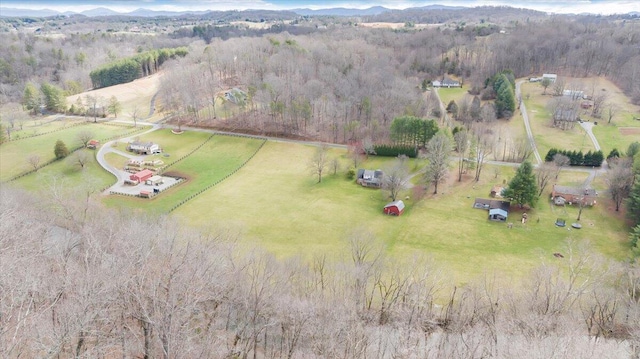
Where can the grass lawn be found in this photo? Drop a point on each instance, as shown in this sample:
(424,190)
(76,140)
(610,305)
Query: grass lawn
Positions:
(66,172)
(216,159)
(545,135)
(456,94)
(620,133)
(14,154)
(278,205)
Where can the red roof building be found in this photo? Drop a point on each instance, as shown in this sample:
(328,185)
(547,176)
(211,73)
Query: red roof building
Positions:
(394,208)
(141,176)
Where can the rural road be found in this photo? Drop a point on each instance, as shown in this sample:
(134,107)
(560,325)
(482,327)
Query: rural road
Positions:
(525,117)
(588,128)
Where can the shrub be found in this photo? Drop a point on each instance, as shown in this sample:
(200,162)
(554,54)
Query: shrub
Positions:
(395,150)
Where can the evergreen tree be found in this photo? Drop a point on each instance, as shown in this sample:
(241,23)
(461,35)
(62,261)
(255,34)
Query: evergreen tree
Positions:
(452,108)
(613,154)
(54,99)
(31,98)
(523,188)
(60,150)
(633,203)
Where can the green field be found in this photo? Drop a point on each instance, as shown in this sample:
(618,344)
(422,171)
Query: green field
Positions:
(278,205)
(14,154)
(455,94)
(66,172)
(218,158)
(545,135)
(609,135)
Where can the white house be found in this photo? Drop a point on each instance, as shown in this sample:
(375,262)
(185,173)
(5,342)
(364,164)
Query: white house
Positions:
(144,148)
(551,77)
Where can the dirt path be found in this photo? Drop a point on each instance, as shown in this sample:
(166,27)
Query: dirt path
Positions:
(525,117)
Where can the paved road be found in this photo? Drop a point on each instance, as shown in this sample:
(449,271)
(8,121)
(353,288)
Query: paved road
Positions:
(525,117)
(588,128)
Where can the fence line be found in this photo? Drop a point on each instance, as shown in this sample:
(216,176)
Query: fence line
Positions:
(264,140)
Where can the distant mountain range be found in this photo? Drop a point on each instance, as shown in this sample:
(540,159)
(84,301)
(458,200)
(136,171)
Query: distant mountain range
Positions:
(101,11)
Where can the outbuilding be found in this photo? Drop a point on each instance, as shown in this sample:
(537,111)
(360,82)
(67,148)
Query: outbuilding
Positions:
(154,180)
(141,176)
(394,208)
(498,214)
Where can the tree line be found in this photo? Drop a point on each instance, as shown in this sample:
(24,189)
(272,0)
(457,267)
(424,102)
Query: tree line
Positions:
(129,69)
(577,158)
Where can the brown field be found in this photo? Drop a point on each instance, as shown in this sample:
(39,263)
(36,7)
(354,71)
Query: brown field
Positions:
(135,94)
(629,131)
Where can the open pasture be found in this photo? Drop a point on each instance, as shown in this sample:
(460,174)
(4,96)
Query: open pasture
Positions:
(216,159)
(277,204)
(14,155)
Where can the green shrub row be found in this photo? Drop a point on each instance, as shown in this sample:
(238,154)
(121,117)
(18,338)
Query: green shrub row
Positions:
(395,150)
(577,158)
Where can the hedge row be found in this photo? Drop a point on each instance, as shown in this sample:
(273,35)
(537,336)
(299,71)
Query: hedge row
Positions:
(129,69)
(590,159)
(395,150)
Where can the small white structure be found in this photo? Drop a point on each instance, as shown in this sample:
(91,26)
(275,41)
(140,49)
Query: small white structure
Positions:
(154,180)
(144,148)
(551,77)
(573,94)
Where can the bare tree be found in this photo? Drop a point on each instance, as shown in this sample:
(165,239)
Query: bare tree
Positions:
(94,101)
(396,177)
(611,111)
(81,158)
(620,180)
(461,139)
(438,154)
(320,161)
(546,82)
(34,161)
(84,137)
(335,165)
(599,103)
(544,173)
(483,143)
(560,161)
(135,114)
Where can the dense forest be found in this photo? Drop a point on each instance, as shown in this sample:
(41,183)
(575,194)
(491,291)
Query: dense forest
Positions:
(81,281)
(337,83)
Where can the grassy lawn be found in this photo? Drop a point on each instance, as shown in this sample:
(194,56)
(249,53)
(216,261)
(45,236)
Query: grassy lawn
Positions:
(545,135)
(14,154)
(456,94)
(278,205)
(620,133)
(68,173)
(215,160)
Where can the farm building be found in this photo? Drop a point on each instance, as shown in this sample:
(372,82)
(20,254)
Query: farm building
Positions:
(93,144)
(448,83)
(562,195)
(141,176)
(144,148)
(145,194)
(551,77)
(565,118)
(573,94)
(369,178)
(154,180)
(498,214)
(394,208)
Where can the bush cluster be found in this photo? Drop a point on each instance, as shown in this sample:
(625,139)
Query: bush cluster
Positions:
(590,159)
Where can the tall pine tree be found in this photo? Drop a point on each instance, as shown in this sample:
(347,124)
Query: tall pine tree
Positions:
(633,203)
(523,189)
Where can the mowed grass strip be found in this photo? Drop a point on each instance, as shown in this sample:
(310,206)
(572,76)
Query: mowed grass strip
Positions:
(277,204)
(214,161)
(68,174)
(14,154)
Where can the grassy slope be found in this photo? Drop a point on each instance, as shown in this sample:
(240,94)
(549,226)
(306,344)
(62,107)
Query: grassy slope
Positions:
(216,159)
(93,176)
(278,205)
(14,155)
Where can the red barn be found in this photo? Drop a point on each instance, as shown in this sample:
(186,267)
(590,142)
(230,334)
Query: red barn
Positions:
(141,176)
(394,208)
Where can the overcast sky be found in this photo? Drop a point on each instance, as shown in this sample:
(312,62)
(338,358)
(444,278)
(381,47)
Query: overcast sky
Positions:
(563,6)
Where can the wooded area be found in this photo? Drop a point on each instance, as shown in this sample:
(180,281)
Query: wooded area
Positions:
(81,281)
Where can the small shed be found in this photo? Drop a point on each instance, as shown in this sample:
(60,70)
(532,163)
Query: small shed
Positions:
(93,144)
(496,191)
(141,176)
(154,180)
(394,208)
(498,214)
(145,194)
